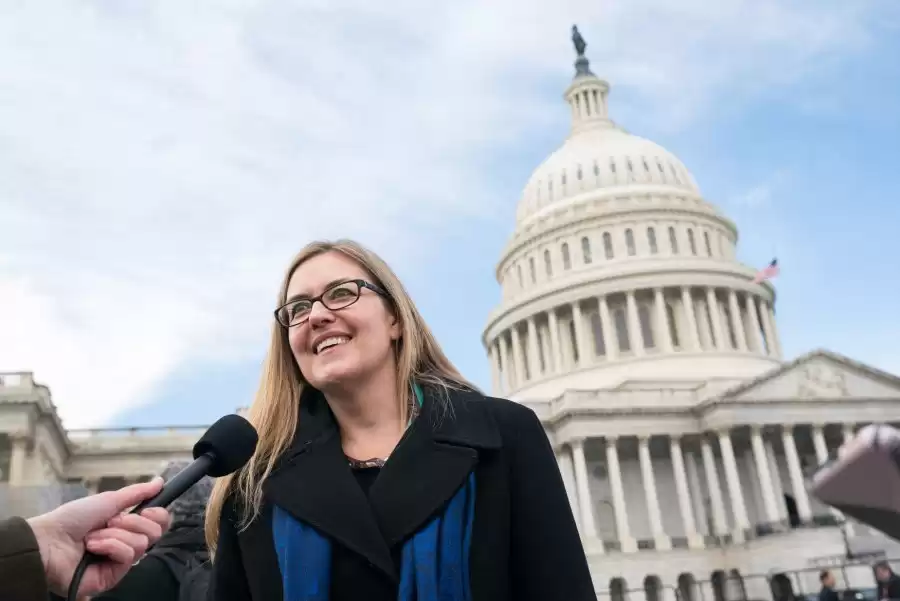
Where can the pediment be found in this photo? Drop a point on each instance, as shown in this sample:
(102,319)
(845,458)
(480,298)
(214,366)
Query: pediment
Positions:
(817,376)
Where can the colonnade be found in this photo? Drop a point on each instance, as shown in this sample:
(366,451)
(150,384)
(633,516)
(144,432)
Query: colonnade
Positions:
(699,504)
(631,324)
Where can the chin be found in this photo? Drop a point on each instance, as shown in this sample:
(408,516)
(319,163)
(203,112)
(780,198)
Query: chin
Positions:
(330,376)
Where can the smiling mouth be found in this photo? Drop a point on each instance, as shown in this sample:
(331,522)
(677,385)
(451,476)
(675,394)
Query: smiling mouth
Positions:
(331,342)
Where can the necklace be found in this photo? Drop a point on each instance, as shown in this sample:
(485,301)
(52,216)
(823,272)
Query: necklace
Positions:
(360,464)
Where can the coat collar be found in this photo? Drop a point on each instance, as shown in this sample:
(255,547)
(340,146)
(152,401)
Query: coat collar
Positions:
(314,482)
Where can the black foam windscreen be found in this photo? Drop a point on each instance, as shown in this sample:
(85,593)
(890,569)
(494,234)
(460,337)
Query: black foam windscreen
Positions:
(231,441)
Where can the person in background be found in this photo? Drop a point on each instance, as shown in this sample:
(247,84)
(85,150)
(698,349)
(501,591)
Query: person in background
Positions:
(888,582)
(827,593)
(381,474)
(177,567)
(38,556)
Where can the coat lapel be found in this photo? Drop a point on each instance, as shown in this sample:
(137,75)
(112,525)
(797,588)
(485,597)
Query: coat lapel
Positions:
(431,462)
(314,483)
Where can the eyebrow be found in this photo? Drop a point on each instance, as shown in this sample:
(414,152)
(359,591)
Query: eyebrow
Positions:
(303,295)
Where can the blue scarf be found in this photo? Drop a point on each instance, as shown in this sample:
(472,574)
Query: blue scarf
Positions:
(434,562)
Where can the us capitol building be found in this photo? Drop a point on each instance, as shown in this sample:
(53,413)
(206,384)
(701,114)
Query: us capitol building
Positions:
(653,360)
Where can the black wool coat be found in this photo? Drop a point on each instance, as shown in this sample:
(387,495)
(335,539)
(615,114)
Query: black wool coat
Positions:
(525,544)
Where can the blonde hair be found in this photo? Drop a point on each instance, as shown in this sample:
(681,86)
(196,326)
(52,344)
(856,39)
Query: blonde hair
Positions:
(276,406)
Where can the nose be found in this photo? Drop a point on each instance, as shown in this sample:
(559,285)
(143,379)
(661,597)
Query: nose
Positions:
(320,314)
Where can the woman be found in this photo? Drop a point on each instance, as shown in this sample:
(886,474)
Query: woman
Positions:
(380,473)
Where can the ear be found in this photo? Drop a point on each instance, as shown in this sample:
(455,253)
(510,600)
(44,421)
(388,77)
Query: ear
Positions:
(396,330)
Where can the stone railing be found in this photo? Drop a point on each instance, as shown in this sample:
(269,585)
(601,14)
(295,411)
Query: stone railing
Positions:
(161,437)
(28,501)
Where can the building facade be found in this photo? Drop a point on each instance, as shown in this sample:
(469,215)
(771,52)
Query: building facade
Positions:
(652,357)
(653,360)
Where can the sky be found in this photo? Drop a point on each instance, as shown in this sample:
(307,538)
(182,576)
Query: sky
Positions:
(161,162)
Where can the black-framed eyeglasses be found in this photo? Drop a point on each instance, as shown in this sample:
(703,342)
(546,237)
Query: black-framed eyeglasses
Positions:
(336,297)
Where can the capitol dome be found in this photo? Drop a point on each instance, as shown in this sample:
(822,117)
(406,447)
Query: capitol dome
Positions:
(599,157)
(618,270)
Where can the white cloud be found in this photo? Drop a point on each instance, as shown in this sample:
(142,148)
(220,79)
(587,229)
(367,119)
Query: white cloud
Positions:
(159,162)
(760,195)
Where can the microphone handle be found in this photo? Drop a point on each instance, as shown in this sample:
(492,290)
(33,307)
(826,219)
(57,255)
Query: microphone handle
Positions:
(180,483)
(174,488)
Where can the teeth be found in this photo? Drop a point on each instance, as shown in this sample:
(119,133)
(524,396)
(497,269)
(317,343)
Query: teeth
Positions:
(329,342)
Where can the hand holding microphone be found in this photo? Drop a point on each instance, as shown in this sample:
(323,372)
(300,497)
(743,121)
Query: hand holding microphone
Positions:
(223,449)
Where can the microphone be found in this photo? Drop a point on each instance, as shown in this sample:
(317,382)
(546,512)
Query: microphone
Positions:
(225,448)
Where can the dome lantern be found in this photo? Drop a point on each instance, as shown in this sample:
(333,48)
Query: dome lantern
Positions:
(587,95)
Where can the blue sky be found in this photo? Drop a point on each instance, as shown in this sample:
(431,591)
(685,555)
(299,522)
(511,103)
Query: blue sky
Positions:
(159,166)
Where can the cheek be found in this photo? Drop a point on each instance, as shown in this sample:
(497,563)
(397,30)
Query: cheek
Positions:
(297,342)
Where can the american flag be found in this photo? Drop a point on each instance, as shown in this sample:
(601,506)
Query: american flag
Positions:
(769,272)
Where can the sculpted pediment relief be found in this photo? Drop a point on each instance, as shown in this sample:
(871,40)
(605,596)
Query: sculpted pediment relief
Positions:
(820,375)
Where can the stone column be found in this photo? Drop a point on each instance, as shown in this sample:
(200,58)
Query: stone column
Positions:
(629,545)
(715,319)
(609,332)
(759,344)
(715,490)
(506,370)
(777,485)
(662,318)
(742,524)
(847,433)
(767,327)
(736,322)
(567,470)
(764,475)
(584,354)
(695,541)
(493,353)
(556,355)
(582,485)
(796,473)
(534,358)
(634,325)
(693,334)
(821,448)
(662,541)
(521,374)
(774,328)
(18,460)
(698,498)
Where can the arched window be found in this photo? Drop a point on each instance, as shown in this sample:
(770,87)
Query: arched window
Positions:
(622,330)
(597,331)
(707,243)
(629,242)
(578,173)
(646,326)
(673,328)
(673,240)
(567,260)
(548,264)
(586,250)
(519,272)
(691,242)
(532,270)
(651,240)
(607,245)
